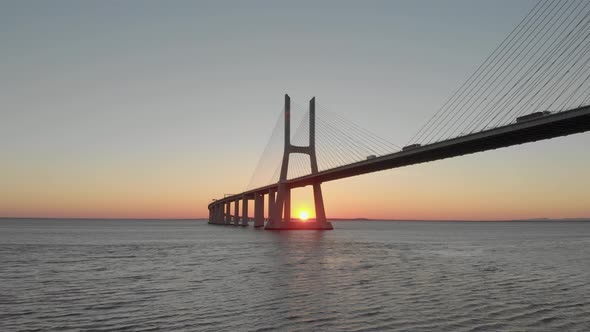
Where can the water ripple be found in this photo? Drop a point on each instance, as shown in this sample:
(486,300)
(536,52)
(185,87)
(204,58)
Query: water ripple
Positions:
(189,276)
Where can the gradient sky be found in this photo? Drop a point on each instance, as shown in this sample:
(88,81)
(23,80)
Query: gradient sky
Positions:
(152,108)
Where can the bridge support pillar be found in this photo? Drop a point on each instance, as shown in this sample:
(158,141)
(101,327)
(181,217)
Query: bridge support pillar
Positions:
(318,199)
(272,199)
(227,219)
(220,213)
(258,210)
(278,220)
(216,214)
(236,212)
(244,219)
(287,201)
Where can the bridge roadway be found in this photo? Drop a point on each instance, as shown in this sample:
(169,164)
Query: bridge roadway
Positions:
(549,126)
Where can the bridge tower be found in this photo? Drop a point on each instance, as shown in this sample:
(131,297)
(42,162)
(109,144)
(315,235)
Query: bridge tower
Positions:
(280,214)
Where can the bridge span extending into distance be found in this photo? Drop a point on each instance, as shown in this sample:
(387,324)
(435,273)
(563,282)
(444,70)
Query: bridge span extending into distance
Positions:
(278,201)
(545,126)
(534,86)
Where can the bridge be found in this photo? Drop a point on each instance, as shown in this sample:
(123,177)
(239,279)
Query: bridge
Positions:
(534,86)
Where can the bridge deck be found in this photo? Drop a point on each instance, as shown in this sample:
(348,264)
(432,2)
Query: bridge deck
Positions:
(546,127)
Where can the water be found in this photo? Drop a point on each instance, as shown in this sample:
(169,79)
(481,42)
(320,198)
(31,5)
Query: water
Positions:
(68,275)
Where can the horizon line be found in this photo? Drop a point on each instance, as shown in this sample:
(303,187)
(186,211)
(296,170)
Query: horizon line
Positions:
(331,219)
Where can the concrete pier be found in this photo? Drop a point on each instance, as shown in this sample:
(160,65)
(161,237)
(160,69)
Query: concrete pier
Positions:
(244,219)
(236,212)
(299,225)
(259,210)
(227,219)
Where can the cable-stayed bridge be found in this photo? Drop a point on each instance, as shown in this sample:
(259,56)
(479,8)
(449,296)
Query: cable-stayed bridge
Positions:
(534,86)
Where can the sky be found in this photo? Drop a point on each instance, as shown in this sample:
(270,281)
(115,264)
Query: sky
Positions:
(150,109)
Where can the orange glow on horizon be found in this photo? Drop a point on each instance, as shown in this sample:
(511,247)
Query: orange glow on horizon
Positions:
(483,188)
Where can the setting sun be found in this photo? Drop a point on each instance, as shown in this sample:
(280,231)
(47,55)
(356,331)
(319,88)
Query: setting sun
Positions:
(303,215)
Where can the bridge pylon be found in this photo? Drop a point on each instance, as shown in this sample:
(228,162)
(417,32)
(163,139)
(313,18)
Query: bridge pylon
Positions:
(280,214)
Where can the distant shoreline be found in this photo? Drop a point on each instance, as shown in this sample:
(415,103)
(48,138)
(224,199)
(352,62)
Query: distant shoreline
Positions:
(467,220)
(330,219)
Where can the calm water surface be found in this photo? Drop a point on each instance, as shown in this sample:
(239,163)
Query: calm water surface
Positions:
(101,275)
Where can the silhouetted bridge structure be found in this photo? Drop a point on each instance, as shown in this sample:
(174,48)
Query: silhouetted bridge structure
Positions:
(545,127)
(534,86)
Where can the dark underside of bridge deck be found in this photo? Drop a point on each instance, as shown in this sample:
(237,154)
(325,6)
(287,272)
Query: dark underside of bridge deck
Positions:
(546,127)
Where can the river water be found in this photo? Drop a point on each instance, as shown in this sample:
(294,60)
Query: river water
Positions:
(180,275)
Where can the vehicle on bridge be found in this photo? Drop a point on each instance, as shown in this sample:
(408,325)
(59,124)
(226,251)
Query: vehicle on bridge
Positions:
(532,116)
(411,147)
